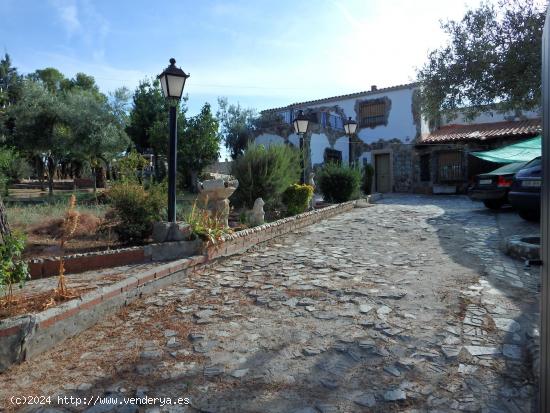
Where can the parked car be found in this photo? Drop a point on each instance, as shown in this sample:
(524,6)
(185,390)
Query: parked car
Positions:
(524,194)
(492,187)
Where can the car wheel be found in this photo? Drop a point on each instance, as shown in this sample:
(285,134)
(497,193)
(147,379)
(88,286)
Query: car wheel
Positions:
(493,203)
(529,215)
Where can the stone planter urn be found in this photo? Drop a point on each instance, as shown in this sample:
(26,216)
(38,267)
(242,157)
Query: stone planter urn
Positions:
(214,193)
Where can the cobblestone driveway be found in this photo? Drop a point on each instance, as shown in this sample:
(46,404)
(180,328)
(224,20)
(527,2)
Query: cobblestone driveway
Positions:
(404,306)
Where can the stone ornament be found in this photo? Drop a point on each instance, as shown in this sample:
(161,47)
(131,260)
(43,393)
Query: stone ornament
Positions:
(214,193)
(257,215)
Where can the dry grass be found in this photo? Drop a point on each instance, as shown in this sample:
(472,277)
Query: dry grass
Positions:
(33,303)
(88,225)
(27,216)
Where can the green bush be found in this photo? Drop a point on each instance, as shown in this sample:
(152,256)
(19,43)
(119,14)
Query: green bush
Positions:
(368,174)
(339,183)
(265,172)
(13,269)
(296,198)
(135,209)
(131,167)
(12,168)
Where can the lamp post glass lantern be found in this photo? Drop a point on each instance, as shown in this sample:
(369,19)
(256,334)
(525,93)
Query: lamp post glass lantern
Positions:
(301,123)
(350,126)
(172,81)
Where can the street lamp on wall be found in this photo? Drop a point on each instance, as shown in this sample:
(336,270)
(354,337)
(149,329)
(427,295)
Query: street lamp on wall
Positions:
(301,123)
(350,126)
(172,81)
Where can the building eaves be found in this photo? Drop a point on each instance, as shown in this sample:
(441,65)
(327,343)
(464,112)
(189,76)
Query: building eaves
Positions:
(342,97)
(483,131)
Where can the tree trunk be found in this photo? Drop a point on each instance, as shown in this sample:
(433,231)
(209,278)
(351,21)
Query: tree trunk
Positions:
(52,166)
(99,177)
(192,179)
(39,165)
(94,174)
(4,225)
(156,171)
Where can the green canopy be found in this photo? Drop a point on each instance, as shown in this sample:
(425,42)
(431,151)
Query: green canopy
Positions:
(518,152)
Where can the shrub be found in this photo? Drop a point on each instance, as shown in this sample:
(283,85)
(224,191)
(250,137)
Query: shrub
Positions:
(12,168)
(131,167)
(368,174)
(13,269)
(135,209)
(265,172)
(296,198)
(339,183)
(208,228)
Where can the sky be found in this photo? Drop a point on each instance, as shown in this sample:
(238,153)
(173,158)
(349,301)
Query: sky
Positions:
(261,54)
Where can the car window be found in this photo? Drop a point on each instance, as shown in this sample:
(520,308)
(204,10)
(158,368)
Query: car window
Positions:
(535,162)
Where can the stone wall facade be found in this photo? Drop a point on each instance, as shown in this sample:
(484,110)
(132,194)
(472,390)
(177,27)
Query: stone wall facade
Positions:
(402,167)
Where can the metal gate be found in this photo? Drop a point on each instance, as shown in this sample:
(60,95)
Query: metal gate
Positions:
(449,166)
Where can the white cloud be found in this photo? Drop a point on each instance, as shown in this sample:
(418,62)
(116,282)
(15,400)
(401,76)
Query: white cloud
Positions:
(68,13)
(81,19)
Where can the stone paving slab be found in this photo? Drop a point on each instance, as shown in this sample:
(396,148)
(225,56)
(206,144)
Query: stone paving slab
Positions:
(405,306)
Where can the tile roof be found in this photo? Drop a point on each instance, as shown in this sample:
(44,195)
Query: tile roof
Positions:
(348,96)
(483,131)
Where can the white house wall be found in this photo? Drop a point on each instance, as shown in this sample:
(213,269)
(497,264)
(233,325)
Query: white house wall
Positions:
(400,120)
(267,139)
(294,139)
(342,144)
(365,157)
(395,137)
(318,143)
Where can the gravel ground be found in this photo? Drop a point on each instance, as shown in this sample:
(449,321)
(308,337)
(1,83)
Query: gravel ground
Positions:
(405,306)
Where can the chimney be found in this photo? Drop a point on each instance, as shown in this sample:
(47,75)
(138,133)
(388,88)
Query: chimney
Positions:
(373,88)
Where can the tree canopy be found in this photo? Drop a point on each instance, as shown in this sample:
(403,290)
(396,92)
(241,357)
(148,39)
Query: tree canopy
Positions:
(199,146)
(65,120)
(67,123)
(237,126)
(10,82)
(492,60)
(149,107)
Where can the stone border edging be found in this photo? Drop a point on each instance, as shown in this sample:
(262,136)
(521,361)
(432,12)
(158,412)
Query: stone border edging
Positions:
(516,247)
(22,337)
(242,240)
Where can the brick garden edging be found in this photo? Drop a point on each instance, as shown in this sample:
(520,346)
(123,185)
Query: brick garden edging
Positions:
(22,337)
(75,263)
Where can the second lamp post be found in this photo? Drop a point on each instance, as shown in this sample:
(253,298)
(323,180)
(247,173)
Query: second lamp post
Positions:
(172,81)
(350,126)
(301,123)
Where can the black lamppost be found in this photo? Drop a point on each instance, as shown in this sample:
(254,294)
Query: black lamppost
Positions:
(172,81)
(301,123)
(350,126)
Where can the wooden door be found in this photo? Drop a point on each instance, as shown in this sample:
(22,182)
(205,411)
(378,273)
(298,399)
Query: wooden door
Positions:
(383,172)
